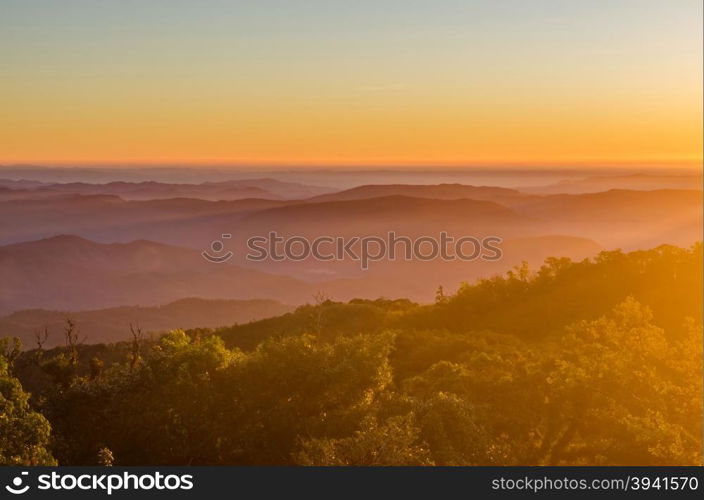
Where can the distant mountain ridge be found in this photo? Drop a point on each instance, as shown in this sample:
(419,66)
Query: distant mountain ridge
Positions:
(264,188)
(69,273)
(110,218)
(113,324)
(72,273)
(91,251)
(637,181)
(628,219)
(435,191)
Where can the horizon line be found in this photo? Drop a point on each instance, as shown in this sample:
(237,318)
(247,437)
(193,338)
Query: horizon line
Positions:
(225,164)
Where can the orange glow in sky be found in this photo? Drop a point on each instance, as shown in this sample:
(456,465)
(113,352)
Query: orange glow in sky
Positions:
(332,83)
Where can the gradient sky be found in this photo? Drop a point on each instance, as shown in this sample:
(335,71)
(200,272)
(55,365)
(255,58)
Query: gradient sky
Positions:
(350,82)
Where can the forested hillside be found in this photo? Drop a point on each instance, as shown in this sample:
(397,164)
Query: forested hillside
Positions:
(594,362)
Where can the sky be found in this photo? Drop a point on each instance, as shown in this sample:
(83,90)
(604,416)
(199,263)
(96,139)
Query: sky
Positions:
(365,82)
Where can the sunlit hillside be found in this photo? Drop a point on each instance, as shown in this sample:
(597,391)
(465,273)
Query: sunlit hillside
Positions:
(592,362)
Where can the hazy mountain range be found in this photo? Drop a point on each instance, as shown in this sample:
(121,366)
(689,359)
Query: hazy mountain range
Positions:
(72,273)
(616,218)
(638,181)
(114,253)
(264,188)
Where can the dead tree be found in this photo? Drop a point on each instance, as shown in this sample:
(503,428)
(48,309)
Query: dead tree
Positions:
(320,299)
(72,340)
(40,338)
(135,346)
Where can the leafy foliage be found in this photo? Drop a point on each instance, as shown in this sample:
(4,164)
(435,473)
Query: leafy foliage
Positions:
(24,433)
(595,362)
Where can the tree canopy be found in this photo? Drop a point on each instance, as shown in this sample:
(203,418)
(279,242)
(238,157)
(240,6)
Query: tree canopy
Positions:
(596,362)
